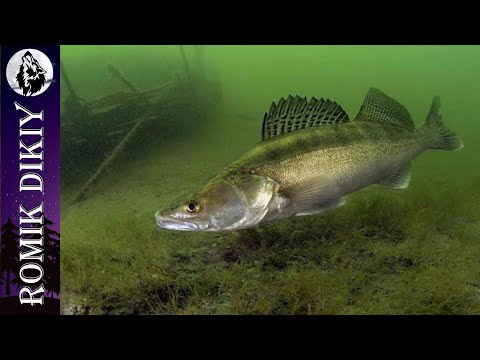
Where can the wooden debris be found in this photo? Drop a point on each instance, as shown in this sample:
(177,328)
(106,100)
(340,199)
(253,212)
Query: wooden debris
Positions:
(117,75)
(114,120)
(185,63)
(110,159)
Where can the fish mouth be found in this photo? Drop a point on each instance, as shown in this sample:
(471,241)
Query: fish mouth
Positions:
(169,223)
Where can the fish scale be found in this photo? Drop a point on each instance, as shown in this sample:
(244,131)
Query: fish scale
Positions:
(337,152)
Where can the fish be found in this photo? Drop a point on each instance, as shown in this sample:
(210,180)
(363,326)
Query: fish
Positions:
(309,158)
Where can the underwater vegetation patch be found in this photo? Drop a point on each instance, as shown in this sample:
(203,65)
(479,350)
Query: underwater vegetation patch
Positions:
(376,256)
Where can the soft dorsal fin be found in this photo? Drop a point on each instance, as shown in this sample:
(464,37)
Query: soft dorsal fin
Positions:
(296,113)
(379,107)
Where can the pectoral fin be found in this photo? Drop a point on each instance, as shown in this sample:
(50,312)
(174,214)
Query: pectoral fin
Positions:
(332,204)
(313,196)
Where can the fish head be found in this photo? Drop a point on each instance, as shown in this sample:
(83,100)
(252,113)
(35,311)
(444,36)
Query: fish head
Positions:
(225,203)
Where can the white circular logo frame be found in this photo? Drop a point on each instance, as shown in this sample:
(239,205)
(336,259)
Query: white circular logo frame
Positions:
(14,67)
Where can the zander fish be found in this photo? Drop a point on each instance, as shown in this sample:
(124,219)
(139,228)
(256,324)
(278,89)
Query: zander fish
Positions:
(310,156)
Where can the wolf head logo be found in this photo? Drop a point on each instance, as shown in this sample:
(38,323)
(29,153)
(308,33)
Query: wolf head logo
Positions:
(31,76)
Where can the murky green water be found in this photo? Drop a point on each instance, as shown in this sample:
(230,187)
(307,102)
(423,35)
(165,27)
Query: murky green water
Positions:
(385,251)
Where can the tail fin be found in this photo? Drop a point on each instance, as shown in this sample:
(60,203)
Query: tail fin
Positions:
(444,138)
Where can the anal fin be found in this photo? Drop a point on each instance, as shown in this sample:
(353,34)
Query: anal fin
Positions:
(399,179)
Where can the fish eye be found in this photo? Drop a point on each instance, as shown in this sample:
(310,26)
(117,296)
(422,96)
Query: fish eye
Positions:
(191,207)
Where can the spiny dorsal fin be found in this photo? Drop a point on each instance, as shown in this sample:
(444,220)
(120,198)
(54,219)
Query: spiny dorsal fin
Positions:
(296,113)
(379,107)
(399,179)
